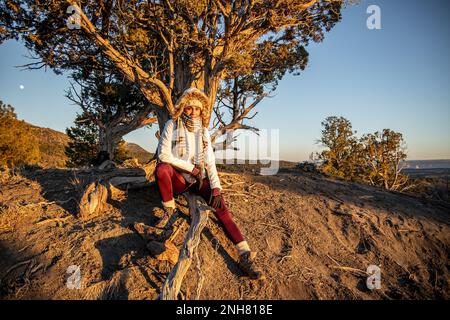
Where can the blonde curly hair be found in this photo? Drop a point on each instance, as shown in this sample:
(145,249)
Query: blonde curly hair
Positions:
(187,97)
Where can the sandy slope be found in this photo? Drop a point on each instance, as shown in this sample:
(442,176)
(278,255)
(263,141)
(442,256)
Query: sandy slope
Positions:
(315,237)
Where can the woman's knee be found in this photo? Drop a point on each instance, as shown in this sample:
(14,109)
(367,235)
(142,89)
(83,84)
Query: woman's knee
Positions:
(163,170)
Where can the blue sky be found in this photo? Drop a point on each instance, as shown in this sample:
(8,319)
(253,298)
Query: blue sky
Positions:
(397,77)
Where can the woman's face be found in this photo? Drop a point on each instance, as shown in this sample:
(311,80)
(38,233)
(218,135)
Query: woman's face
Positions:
(193,111)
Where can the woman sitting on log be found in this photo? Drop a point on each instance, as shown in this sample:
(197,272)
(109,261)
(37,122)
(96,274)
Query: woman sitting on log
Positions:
(187,163)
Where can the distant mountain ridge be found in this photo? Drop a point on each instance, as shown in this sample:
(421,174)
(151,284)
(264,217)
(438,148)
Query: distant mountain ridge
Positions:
(427,164)
(136,151)
(51,146)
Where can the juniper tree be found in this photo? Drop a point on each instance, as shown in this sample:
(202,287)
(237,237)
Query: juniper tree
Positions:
(384,151)
(374,158)
(339,142)
(84,143)
(167,46)
(115,106)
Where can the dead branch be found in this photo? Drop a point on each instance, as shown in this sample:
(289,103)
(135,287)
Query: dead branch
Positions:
(199,213)
(359,271)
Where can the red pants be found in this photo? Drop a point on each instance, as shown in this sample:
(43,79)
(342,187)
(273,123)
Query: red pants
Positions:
(170,181)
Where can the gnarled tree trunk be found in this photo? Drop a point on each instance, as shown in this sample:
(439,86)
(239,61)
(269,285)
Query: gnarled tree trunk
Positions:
(108,141)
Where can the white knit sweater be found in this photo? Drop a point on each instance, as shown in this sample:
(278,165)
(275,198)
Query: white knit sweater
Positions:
(168,154)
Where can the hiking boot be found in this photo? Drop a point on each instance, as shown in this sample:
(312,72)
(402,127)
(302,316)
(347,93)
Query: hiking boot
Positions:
(248,265)
(168,213)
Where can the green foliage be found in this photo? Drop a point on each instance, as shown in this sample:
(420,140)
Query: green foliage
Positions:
(383,153)
(83,144)
(17,144)
(337,137)
(110,99)
(374,158)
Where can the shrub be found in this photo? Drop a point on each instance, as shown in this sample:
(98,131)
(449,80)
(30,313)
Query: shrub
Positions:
(374,158)
(17,144)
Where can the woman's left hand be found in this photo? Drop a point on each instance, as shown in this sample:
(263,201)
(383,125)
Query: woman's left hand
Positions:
(215,199)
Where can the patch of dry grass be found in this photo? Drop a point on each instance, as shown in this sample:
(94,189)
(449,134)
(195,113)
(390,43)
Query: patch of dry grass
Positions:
(10,176)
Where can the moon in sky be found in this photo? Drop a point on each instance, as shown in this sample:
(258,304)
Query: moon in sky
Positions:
(21,87)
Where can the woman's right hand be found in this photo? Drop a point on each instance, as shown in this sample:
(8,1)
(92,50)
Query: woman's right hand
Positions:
(197,174)
(215,199)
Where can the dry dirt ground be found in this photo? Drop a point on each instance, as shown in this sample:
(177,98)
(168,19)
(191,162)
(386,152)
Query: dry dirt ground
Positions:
(315,238)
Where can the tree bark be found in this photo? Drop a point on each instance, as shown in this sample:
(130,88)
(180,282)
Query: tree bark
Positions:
(108,141)
(163,116)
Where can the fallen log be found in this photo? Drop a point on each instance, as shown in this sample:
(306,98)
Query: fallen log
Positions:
(100,185)
(199,217)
